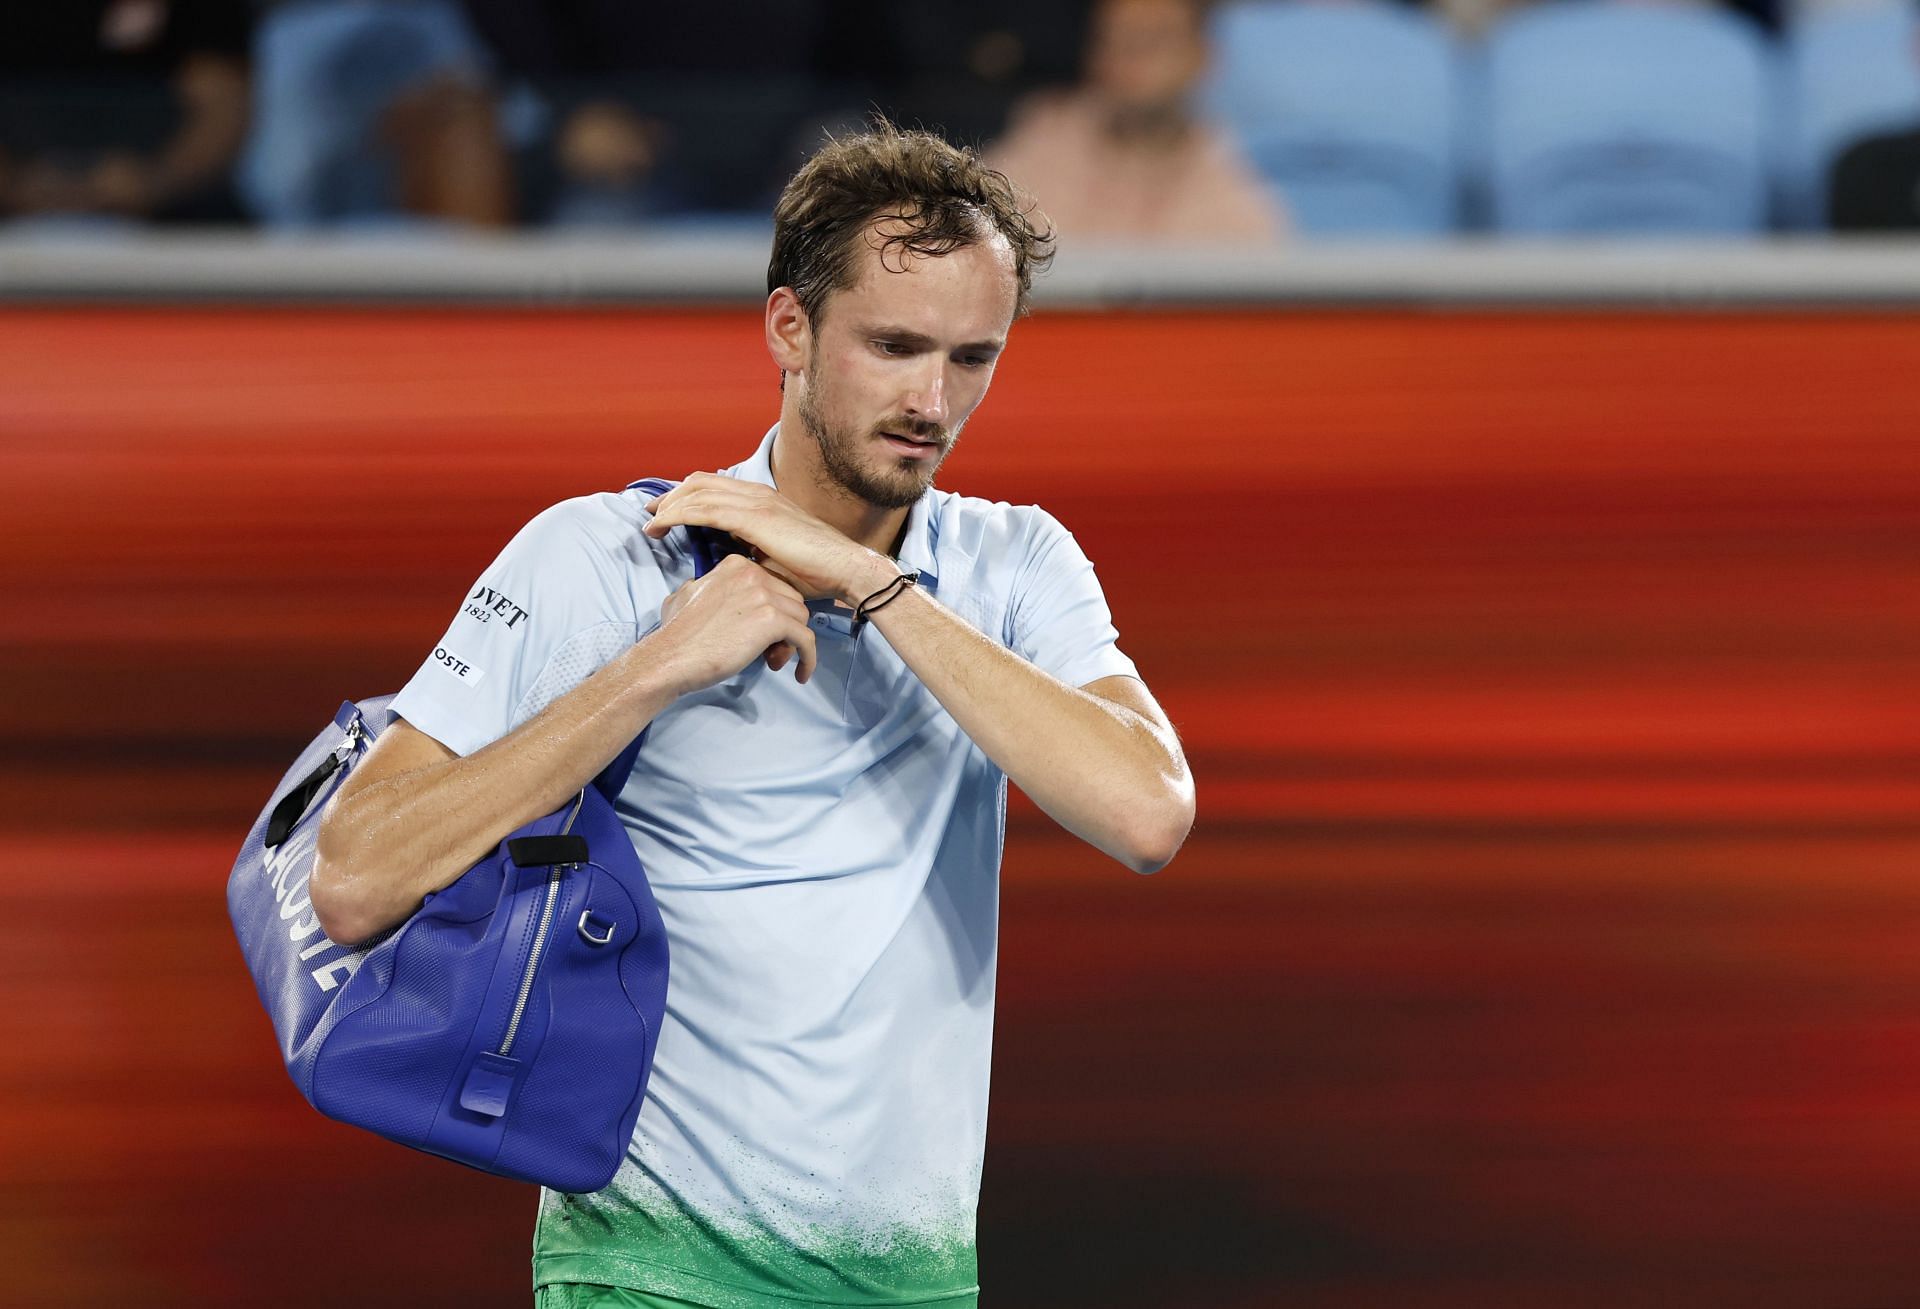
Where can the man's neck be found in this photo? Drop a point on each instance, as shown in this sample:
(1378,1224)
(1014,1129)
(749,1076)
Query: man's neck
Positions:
(799,476)
(1162,126)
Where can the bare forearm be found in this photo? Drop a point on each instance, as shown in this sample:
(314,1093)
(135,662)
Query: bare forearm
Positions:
(385,843)
(414,816)
(1107,767)
(1101,770)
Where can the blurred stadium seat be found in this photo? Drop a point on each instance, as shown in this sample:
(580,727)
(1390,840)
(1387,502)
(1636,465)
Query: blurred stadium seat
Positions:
(1369,118)
(1349,110)
(1852,73)
(1616,119)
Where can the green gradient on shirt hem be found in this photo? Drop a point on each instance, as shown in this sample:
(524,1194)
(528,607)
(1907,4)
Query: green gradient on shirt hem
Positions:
(583,1239)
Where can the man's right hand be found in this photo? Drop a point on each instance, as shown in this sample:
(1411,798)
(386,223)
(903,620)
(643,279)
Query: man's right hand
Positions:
(415,814)
(713,626)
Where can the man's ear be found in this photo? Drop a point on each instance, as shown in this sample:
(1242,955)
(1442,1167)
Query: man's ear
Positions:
(789,334)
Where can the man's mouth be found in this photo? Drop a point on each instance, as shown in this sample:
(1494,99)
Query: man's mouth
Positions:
(911,447)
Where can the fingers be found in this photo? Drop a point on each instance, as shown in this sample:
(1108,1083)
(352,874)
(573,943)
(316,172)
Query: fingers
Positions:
(811,555)
(800,643)
(705,500)
(796,627)
(796,623)
(799,637)
(672,493)
(756,595)
(780,573)
(757,586)
(809,656)
(778,579)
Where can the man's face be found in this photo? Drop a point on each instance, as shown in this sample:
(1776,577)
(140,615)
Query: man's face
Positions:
(1145,55)
(899,360)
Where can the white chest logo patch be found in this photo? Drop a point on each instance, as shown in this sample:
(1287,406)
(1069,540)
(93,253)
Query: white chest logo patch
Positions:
(457,668)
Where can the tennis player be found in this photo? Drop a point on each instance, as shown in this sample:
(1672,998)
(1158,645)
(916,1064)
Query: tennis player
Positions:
(820,802)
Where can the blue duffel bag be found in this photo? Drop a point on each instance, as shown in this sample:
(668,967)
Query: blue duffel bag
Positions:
(510,1023)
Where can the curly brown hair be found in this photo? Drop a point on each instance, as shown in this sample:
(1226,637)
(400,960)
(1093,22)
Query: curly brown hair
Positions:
(942,196)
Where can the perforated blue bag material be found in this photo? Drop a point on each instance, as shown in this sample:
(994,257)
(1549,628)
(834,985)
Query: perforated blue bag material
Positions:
(510,1023)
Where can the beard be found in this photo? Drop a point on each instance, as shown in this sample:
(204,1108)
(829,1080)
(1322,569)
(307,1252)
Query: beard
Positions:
(895,481)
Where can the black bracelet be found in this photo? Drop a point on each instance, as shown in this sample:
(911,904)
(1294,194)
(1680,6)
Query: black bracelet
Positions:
(886,595)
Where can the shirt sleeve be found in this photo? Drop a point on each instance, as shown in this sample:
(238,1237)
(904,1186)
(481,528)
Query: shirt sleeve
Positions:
(1058,619)
(577,586)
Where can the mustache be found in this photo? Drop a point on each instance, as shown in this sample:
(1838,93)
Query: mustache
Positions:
(918,428)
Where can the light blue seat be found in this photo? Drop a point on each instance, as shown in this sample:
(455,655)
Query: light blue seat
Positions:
(1348,109)
(324,72)
(1621,119)
(1852,73)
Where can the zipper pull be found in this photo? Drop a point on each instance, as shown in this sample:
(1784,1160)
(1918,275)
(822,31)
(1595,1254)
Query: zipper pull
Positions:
(294,805)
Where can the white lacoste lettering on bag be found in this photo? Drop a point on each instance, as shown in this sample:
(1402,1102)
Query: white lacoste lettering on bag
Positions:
(288,869)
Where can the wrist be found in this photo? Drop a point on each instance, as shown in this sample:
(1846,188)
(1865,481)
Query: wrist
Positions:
(903,581)
(658,669)
(873,572)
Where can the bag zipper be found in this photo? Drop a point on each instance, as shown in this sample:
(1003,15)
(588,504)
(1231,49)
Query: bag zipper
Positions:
(540,936)
(356,733)
(302,798)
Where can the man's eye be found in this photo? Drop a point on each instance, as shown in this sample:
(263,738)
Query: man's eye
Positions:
(893,348)
(975,361)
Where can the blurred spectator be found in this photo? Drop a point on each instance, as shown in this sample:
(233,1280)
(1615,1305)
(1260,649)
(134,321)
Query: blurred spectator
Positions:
(1472,18)
(128,108)
(957,69)
(1875,183)
(652,109)
(372,112)
(1124,155)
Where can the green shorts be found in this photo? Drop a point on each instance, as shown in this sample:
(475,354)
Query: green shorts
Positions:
(583,1295)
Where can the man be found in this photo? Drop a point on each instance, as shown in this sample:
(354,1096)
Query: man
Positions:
(1125,156)
(123,109)
(824,844)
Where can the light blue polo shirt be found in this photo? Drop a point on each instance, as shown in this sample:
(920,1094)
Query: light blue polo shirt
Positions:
(826,859)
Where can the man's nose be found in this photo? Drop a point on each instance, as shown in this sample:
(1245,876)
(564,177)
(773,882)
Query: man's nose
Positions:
(928,400)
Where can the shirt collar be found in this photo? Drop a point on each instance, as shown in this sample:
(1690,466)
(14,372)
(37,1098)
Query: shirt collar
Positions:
(916,547)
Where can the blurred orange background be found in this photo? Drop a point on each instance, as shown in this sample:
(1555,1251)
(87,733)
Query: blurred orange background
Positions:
(1547,936)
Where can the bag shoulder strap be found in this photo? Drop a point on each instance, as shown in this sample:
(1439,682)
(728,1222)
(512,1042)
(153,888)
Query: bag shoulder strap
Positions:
(707,545)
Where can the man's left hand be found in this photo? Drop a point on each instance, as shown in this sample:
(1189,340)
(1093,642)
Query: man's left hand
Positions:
(815,558)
